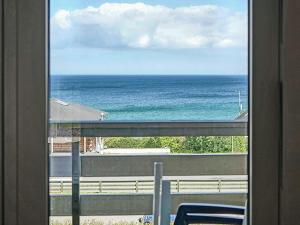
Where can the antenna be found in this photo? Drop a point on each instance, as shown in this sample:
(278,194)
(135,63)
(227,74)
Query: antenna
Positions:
(102,114)
(240,103)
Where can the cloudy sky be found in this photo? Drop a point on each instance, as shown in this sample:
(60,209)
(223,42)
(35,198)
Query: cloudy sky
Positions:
(150,37)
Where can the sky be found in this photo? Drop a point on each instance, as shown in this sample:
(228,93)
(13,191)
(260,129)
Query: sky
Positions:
(94,37)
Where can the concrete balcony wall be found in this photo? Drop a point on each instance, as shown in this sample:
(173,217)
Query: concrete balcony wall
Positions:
(142,165)
(134,204)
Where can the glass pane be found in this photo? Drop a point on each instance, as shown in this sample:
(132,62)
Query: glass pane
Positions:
(139,87)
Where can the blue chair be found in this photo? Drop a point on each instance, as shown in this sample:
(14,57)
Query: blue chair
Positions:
(190,213)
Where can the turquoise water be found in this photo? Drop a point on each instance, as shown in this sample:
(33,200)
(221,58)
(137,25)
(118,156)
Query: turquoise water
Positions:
(145,97)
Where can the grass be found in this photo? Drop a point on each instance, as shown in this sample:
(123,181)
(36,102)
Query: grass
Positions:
(92,222)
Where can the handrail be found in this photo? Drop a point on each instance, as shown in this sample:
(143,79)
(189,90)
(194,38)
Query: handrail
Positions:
(114,185)
(147,128)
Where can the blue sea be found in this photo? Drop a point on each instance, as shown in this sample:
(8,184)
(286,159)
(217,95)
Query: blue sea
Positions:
(155,97)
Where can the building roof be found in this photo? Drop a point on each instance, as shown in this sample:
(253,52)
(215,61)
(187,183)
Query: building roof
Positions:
(64,111)
(242,117)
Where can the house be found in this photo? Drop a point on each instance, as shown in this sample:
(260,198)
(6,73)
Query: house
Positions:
(61,111)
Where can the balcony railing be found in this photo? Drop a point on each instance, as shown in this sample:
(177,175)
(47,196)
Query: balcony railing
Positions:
(147,129)
(130,185)
(186,171)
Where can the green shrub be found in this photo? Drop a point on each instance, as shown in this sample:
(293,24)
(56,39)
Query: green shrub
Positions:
(176,144)
(202,144)
(121,142)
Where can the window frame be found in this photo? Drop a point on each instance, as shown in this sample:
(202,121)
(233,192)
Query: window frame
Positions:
(265,111)
(24,94)
(24,108)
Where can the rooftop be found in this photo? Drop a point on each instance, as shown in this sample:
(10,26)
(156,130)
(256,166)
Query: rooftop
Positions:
(243,116)
(65,111)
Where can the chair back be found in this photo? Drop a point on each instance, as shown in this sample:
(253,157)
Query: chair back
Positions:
(209,214)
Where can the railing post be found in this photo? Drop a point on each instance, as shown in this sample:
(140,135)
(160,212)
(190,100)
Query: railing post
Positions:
(51,145)
(219,185)
(84,144)
(75,181)
(100,186)
(158,172)
(62,186)
(165,203)
(136,186)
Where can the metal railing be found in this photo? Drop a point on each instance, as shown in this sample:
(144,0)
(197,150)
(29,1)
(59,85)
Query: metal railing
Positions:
(114,185)
(147,129)
(87,201)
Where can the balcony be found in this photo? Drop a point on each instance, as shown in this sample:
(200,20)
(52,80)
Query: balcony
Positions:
(124,184)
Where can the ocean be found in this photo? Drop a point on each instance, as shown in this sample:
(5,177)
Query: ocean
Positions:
(155,97)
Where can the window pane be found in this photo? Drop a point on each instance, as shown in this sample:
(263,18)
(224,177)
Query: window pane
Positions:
(136,83)
(156,60)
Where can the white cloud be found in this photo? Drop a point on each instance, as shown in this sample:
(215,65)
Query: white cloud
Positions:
(142,26)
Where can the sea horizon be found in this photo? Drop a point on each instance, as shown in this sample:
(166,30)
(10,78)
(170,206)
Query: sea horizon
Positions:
(149,75)
(155,97)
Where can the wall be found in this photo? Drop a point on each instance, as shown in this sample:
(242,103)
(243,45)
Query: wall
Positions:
(67,146)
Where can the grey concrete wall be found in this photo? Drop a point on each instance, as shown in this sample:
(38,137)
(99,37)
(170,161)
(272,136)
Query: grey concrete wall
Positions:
(135,204)
(142,165)
(60,166)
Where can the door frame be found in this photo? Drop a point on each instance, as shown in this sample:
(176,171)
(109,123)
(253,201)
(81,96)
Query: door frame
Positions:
(265,115)
(24,94)
(24,107)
